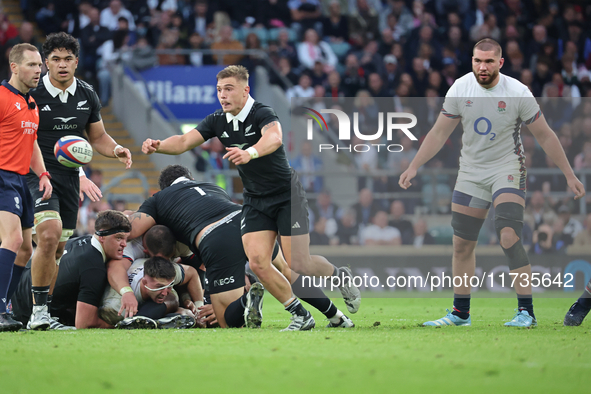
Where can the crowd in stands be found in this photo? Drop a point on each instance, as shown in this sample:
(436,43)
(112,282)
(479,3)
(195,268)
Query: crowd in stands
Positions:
(325,50)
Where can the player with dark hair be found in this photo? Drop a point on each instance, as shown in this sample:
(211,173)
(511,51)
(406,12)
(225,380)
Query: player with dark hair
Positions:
(82,277)
(67,106)
(19,151)
(492,107)
(131,300)
(274,199)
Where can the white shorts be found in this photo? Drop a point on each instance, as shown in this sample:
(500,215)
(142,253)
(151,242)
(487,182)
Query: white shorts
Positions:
(487,183)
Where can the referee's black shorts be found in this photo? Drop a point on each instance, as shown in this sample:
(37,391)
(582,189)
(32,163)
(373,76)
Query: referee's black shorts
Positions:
(65,197)
(224,258)
(285,213)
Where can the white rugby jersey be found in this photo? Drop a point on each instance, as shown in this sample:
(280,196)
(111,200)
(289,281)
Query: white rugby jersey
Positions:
(491,119)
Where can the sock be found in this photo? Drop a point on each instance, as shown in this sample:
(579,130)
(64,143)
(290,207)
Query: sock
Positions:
(7,258)
(336,318)
(336,274)
(336,271)
(17,272)
(585,299)
(461,306)
(315,297)
(152,310)
(40,294)
(525,302)
(49,299)
(296,308)
(234,313)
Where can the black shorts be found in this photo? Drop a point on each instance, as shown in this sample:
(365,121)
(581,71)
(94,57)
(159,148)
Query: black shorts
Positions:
(16,198)
(65,197)
(285,213)
(223,255)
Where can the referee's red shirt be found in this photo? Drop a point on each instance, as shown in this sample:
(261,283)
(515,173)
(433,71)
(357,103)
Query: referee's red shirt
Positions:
(18,129)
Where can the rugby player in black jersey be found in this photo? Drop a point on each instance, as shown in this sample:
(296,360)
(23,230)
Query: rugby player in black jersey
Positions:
(82,277)
(274,199)
(67,106)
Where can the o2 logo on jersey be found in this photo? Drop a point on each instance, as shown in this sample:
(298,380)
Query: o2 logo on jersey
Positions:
(478,127)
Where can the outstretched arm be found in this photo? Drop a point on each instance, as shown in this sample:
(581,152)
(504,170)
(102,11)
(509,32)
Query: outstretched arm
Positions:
(106,145)
(551,145)
(174,145)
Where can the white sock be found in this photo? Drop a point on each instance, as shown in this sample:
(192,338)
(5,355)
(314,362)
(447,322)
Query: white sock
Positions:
(337,317)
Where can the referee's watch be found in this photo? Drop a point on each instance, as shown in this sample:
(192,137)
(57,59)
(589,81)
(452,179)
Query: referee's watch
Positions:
(46,173)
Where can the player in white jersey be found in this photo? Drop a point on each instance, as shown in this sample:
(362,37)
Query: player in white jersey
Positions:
(491,107)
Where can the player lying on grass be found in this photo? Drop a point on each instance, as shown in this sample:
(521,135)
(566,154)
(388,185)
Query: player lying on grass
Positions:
(130,295)
(82,277)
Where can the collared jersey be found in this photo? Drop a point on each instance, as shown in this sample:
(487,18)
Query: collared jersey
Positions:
(58,118)
(18,129)
(491,119)
(267,175)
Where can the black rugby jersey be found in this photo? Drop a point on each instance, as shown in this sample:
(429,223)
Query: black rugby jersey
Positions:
(187,207)
(267,175)
(82,275)
(57,119)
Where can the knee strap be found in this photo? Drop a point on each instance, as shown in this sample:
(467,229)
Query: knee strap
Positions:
(510,214)
(466,227)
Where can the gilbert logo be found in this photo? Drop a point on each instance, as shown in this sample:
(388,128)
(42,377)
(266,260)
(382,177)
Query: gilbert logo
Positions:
(344,133)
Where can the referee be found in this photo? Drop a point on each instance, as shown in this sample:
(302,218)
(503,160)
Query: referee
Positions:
(67,106)
(274,199)
(19,120)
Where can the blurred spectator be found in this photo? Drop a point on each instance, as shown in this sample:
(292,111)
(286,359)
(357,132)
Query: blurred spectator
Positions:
(47,19)
(397,162)
(305,14)
(572,227)
(335,27)
(196,58)
(7,29)
(544,241)
(91,38)
(583,238)
(110,15)
(273,13)
(201,19)
(226,42)
(348,231)
(168,6)
(366,208)
(287,48)
(538,211)
(143,55)
(375,86)
(583,159)
(26,34)
(303,89)
(386,41)
(477,16)
(169,40)
(111,53)
(363,18)
(333,87)
(370,59)
(397,220)
(286,71)
(252,61)
(306,162)
(421,234)
(312,50)
(420,76)
(379,233)
(177,23)
(213,153)
(353,76)
(403,16)
(318,75)
(325,208)
(318,234)
(391,74)
(488,29)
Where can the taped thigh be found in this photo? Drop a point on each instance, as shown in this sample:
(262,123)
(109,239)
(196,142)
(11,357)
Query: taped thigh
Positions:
(465,226)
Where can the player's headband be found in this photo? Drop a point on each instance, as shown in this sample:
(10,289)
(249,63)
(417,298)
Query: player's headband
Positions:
(104,233)
(160,288)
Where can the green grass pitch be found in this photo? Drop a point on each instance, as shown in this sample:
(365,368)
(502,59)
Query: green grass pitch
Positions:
(386,353)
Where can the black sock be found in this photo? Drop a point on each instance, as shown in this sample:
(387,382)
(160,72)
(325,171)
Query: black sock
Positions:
(234,313)
(7,258)
(296,308)
(152,310)
(585,299)
(17,272)
(461,306)
(336,271)
(525,302)
(40,294)
(49,299)
(315,297)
